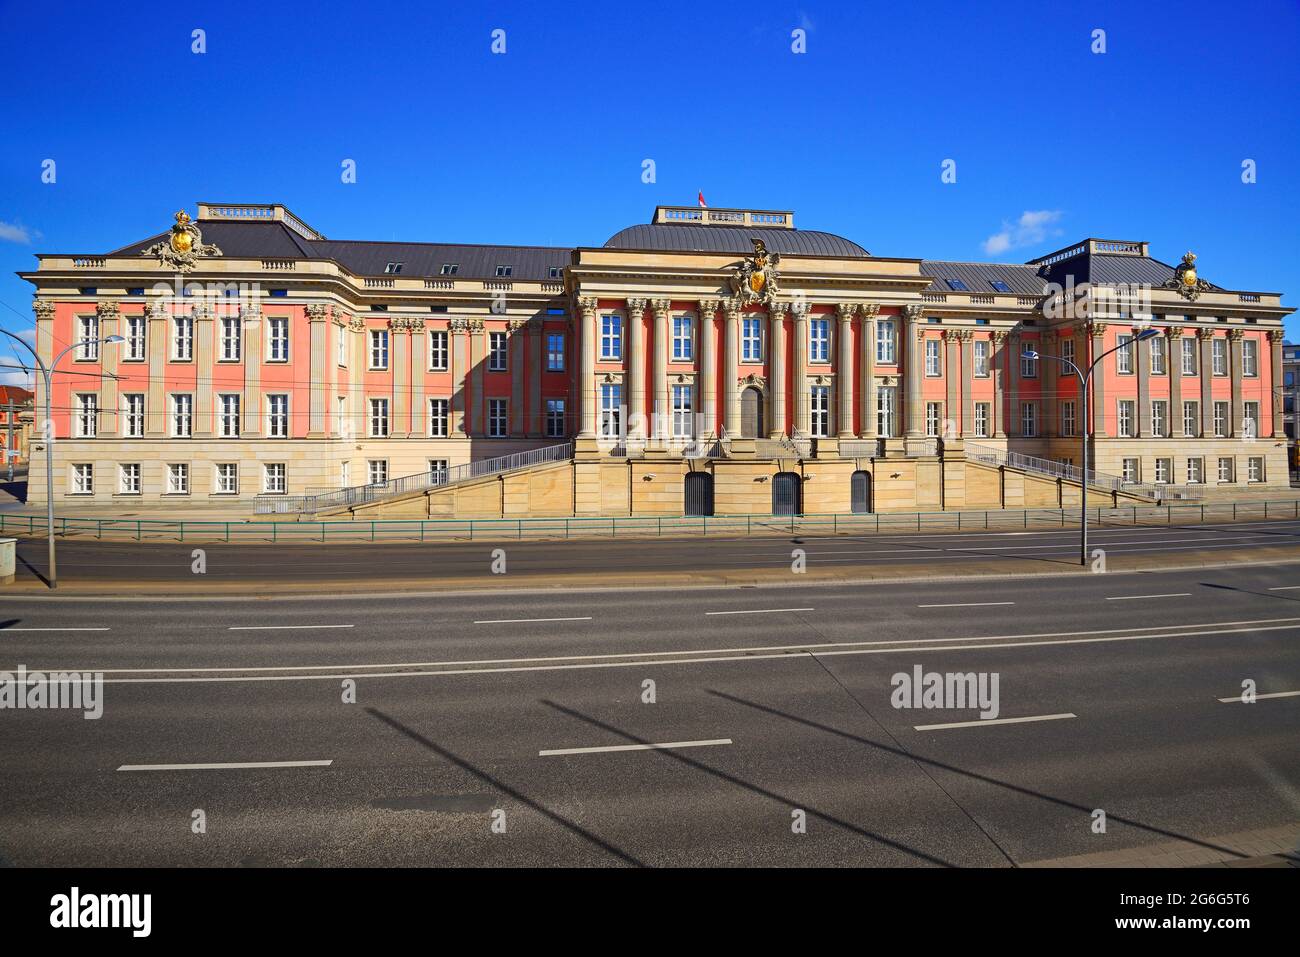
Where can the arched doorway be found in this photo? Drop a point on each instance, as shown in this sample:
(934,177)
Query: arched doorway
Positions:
(751,413)
(860,491)
(699,493)
(787,494)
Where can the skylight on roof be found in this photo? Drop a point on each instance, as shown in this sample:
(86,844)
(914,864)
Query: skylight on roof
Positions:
(999,286)
(956,285)
(393,268)
(449,269)
(504,272)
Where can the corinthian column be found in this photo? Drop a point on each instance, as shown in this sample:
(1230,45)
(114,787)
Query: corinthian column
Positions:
(913,336)
(1275,339)
(869,312)
(844,369)
(776,388)
(587,368)
(800,311)
(1174,369)
(997,365)
(659,371)
(636,426)
(731,365)
(708,370)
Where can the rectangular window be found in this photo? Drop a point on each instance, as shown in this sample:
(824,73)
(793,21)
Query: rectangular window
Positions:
(1249,357)
(227,478)
(379,348)
(1219,356)
(683,413)
(751,339)
(1249,420)
(1254,469)
(83,479)
(981,358)
(1189,356)
(182,338)
(1225,469)
(611,402)
(1124,355)
(229,417)
(341,424)
(182,415)
(378,418)
(129,479)
(437,350)
(555,352)
(682,345)
(133,415)
(1028,419)
(1125,418)
(611,338)
(277,416)
(1159,418)
(1068,417)
(1157,356)
(345,474)
(178,479)
(933,360)
(438,418)
(1028,366)
(1130,468)
(135,351)
(273,478)
(1191,419)
(820,404)
(819,331)
(982,420)
(933,418)
(555,418)
(341,353)
(438,468)
(498,352)
(886,342)
(88,338)
(231,339)
(1195,471)
(277,339)
(377,470)
(1164,471)
(1220,419)
(87,415)
(1067,353)
(886,410)
(498,413)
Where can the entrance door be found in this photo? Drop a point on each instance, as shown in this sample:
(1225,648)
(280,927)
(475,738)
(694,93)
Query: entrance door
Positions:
(787,498)
(751,413)
(699,493)
(860,491)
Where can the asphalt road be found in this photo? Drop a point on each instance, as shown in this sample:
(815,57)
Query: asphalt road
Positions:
(778,699)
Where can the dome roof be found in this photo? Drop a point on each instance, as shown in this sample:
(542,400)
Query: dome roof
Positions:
(671,237)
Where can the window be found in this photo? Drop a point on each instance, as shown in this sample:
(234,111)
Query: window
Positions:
(1191,418)
(379,348)
(345,474)
(1159,418)
(1250,420)
(1157,355)
(1028,366)
(819,345)
(182,338)
(956,285)
(273,478)
(820,404)
(182,415)
(611,401)
(449,269)
(341,350)
(393,269)
(1220,419)
(999,286)
(1164,471)
(277,416)
(231,340)
(555,352)
(438,467)
(1028,419)
(1254,469)
(555,272)
(933,418)
(87,418)
(497,352)
(227,478)
(377,471)
(341,424)
(178,479)
(1067,353)
(129,479)
(498,411)
(1130,468)
(1068,423)
(134,339)
(88,336)
(229,416)
(981,358)
(682,350)
(378,418)
(83,479)
(1225,469)
(133,415)
(504,272)
(1195,471)
(277,339)
(933,361)
(982,420)
(683,418)
(886,342)
(1189,356)
(1219,356)
(1125,418)
(438,418)
(751,339)
(611,338)
(437,350)
(886,410)
(1249,357)
(555,418)
(1124,355)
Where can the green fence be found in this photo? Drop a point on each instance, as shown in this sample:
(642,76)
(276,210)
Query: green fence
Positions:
(432,530)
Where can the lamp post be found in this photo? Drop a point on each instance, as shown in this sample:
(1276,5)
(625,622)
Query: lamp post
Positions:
(1085,393)
(47,372)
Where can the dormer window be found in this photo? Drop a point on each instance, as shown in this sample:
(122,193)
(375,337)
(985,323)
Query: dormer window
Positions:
(449,269)
(504,272)
(555,272)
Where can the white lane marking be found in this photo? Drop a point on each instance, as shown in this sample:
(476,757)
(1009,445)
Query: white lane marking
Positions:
(756,611)
(520,621)
(635,747)
(1260,697)
(982,723)
(968,604)
(807,647)
(236,765)
(3,630)
(282,627)
(1181,594)
(1285,588)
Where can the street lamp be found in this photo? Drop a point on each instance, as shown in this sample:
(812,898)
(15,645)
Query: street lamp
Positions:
(47,372)
(1085,386)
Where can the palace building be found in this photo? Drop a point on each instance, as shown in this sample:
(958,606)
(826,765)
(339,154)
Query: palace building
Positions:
(710,361)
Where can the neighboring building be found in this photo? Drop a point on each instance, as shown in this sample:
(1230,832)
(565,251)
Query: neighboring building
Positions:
(715,347)
(1290,393)
(15,423)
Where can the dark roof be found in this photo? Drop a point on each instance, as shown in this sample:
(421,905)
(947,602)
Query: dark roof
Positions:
(1103,269)
(672,237)
(15,394)
(978,277)
(274,240)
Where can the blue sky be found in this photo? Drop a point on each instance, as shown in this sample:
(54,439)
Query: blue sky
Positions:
(545,143)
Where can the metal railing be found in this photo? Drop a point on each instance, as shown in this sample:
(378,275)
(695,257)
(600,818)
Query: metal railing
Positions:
(988,455)
(373,492)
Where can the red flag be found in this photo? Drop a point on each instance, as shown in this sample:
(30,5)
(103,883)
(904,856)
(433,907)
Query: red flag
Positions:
(702,202)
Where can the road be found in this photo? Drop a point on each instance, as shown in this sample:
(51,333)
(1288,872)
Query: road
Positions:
(777,700)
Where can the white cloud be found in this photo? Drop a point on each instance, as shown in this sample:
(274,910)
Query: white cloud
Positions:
(1032,228)
(16,233)
(15,377)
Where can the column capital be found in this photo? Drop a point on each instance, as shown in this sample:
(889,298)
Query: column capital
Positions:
(108,309)
(661,307)
(316,312)
(708,308)
(250,313)
(799,309)
(912,312)
(1276,335)
(776,309)
(1205,334)
(588,306)
(846,311)
(732,307)
(635,308)
(43,308)
(154,310)
(998,336)
(1236,335)
(458,325)
(513,325)
(1174,332)
(870,310)
(357,324)
(1096,330)
(340,317)
(959,335)
(201,313)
